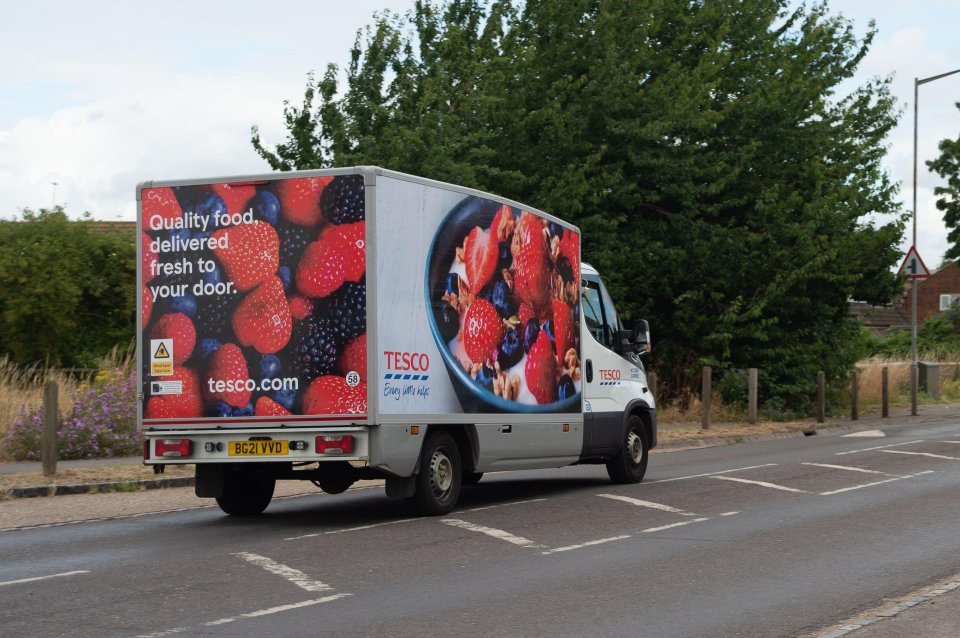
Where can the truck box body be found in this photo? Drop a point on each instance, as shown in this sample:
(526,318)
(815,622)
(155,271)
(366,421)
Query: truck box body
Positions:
(340,314)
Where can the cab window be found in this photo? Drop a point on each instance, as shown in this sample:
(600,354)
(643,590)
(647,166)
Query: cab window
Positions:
(597,314)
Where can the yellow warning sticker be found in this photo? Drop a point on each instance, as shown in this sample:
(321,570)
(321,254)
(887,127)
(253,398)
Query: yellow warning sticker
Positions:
(161,357)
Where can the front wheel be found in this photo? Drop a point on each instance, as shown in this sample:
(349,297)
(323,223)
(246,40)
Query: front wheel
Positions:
(438,483)
(630,463)
(245,493)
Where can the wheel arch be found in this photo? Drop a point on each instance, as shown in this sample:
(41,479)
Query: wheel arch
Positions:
(647,414)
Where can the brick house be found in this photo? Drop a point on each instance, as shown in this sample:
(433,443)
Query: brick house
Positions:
(934,294)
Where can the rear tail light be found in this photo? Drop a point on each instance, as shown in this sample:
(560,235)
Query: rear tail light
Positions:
(339,444)
(173,447)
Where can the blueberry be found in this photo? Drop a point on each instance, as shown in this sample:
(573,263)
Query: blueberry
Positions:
(180,235)
(246,410)
(266,206)
(270,367)
(504,256)
(565,388)
(448,321)
(286,398)
(548,328)
(215,276)
(530,333)
(284,273)
(209,207)
(207,347)
(187,304)
(223,409)
(555,229)
(485,376)
(511,350)
(498,294)
(453,284)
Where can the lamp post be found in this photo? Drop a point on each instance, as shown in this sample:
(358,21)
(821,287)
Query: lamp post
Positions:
(54,184)
(914,368)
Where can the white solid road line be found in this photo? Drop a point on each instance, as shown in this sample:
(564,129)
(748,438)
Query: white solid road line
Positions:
(276,610)
(860,487)
(36,578)
(650,504)
(761,484)
(490,531)
(926,454)
(292,575)
(587,544)
(849,468)
(693,476)
(671,526)
(880,447)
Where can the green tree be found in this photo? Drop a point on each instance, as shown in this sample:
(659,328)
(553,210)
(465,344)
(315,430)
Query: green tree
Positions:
(721,181)
(947,166)
(67,294)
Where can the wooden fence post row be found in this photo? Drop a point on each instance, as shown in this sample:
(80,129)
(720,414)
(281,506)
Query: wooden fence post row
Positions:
(705,394)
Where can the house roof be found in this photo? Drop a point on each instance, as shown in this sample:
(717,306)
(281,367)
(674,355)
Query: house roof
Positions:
(881,319)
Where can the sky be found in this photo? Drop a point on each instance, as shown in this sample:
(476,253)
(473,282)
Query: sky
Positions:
(96,96)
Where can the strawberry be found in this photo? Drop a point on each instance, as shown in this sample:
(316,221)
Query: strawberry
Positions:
(350,240)
(525,314)
(532,277)
(482,330)
(322,269)
(354,358)
(235,196)
(266,406)
(300,199)
(570,248)
(300,307)
(262,319)
(177,406)
(159,202)
(562,328)
(541,370)
(227,377)
(148,258)
(331,395)
(252,254)
(179,327)
(480,257)
(147,307)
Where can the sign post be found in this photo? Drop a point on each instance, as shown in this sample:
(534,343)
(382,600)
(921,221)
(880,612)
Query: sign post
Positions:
(915,269)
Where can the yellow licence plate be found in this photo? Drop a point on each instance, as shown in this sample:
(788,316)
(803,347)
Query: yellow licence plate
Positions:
(257,448)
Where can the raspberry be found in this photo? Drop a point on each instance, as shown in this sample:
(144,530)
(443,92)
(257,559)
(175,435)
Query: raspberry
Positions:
(315,347)
(342,199)
(348,311)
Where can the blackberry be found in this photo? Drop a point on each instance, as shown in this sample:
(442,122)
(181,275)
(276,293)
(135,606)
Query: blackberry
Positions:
(348,310)
(293,241)
(315,347)
(342,199)
(214,313)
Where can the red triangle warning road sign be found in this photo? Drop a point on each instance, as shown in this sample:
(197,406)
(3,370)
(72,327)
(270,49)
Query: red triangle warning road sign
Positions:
(913,266)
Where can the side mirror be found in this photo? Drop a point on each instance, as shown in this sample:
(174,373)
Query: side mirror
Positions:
(641,336)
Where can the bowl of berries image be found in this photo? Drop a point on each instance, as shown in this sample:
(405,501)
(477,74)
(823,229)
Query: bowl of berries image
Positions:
(502,294)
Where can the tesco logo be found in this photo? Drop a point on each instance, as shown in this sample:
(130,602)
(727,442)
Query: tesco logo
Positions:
(403,361)
(609,375)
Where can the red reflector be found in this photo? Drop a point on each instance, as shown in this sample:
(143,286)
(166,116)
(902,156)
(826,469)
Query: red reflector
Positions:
(173,447)
(340,444)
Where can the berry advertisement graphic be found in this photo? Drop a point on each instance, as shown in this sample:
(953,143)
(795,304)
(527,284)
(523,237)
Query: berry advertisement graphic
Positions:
(253,301)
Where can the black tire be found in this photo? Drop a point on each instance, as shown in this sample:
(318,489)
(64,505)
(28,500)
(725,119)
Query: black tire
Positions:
(439,481)
(471,478)
(630,463)
(245,493)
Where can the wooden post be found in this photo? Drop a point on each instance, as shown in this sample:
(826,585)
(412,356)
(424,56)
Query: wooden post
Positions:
(885,393)
(48,454)
(705,392)
(752,396)
(821,397)
(652,384)
(854,395)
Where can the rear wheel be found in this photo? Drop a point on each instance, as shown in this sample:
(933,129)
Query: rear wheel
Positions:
(245,493)
(438,483)
(630,463)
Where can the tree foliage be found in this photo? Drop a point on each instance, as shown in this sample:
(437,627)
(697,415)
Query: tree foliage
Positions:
(721,182)
(67,294)
(947,166)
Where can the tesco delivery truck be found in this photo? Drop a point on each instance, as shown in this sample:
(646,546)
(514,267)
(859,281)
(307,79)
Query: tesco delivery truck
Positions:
(356,323)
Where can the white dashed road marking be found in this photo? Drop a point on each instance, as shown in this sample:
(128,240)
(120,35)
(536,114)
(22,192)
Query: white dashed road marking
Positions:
(880,447)
(859,487)
(671,526)
(292,575)
(761,484)
(864,434)
(849,468)
(587,544)
(651,505)
(693,476)
(36,578)
(490,531)
(926,454)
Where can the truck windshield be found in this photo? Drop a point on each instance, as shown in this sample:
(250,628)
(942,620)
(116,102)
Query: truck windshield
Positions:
(599,313)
